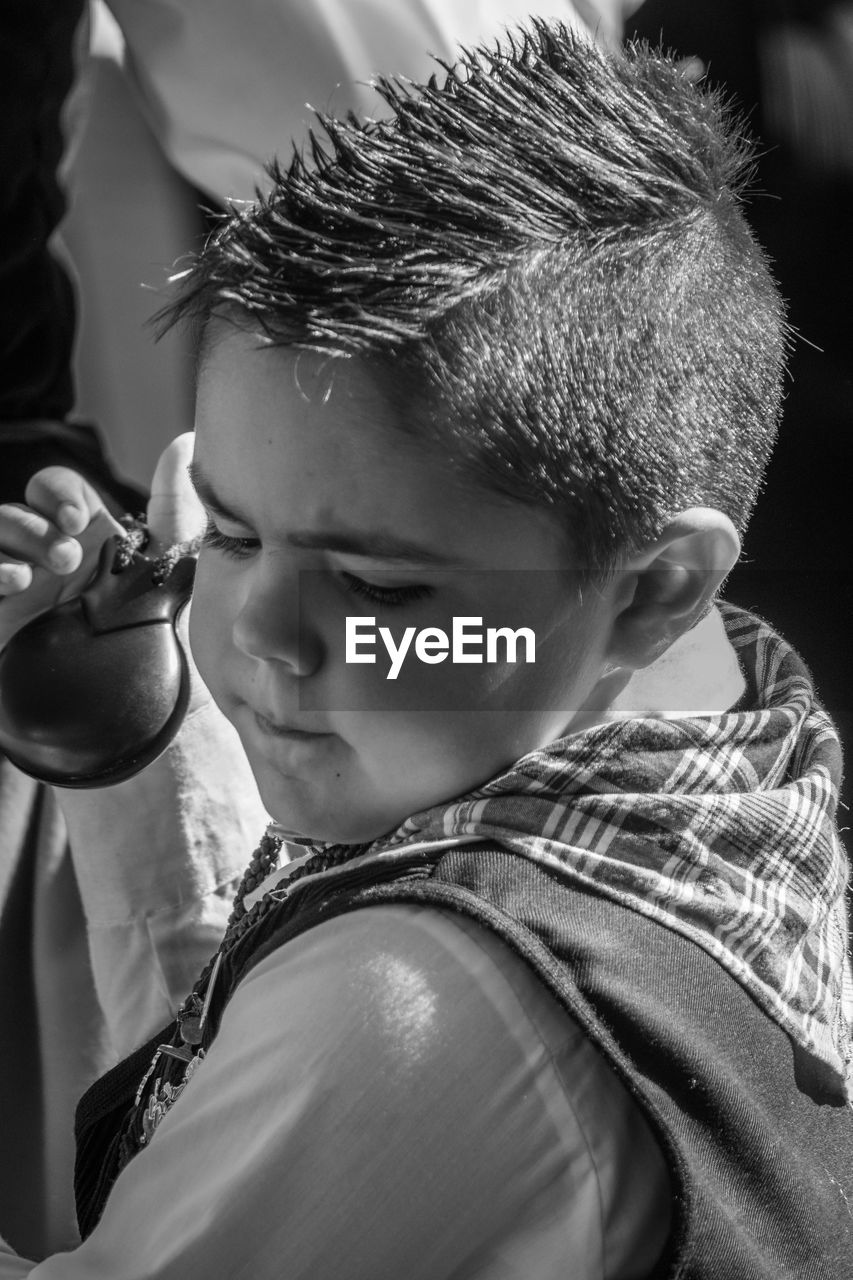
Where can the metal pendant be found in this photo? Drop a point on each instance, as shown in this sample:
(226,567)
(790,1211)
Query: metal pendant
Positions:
(164,1095)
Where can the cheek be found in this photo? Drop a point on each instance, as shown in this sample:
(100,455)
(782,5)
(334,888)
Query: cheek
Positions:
(416,761)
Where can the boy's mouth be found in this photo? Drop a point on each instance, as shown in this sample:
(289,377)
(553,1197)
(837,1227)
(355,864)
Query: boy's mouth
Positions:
(275,730)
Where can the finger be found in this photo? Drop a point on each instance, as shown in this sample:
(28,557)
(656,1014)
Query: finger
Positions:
(26,535)
(15,576)
(63,496)
(174,512)
(693,69)
(44,589)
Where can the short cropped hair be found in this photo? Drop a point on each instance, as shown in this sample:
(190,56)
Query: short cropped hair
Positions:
(545,251)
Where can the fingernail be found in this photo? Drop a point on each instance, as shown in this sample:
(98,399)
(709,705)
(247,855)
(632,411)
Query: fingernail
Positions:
(70,518)
(12,575)
(63,555)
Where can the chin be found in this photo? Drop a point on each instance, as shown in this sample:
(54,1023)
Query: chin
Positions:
(307,820)
(330,828)
(324,811)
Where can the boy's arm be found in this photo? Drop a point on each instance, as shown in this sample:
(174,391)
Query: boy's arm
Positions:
(411,1109)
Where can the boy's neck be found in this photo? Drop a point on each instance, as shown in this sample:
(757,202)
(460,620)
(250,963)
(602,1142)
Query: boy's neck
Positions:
(698,675)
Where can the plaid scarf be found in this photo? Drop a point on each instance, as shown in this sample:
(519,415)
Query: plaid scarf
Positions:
(720,827)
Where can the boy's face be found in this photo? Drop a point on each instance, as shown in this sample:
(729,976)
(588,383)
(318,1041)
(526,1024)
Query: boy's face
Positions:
(321,509)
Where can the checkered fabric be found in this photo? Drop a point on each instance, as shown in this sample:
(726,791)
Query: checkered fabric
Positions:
(721,827)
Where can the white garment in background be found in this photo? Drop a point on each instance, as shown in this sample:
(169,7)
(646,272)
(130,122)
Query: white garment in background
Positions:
(226,83)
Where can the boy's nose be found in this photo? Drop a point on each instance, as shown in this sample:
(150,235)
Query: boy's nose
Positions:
(272,624)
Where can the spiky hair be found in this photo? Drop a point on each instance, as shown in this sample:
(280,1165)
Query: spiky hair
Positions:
(547,241)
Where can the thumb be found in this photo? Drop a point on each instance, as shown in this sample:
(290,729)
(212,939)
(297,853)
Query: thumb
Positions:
(174,512)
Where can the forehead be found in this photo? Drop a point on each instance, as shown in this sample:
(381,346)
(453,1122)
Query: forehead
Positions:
(295,391)
(284,418)
(298,438)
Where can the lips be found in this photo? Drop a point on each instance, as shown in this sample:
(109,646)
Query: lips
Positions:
(275,729)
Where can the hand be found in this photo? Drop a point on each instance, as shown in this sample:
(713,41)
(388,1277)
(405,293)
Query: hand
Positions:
(51,544)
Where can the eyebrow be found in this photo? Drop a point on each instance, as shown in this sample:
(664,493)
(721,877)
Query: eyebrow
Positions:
(372,544)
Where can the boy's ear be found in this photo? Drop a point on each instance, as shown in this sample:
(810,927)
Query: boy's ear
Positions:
(666,588)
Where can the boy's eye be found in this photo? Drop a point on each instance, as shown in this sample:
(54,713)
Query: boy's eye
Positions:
(214,539)
(385,595)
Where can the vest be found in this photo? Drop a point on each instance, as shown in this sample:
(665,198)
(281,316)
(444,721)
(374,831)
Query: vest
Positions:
(759,1144)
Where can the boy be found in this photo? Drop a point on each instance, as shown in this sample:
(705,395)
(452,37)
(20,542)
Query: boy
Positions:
(560,985)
